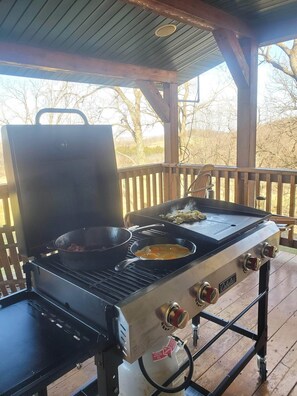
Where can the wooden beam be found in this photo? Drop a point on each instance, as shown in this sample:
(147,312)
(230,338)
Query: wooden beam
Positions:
(155,99)
(233,55)
(196,13)
(42,59)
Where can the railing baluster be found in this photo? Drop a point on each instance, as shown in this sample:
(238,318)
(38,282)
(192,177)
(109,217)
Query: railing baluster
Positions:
(141,191)
(257,182)
(268,193)
(134,188)
(161,188)
(154,186)
(185,182)
(236,187)
(292,207)
(279,203)
(148,189)
(218,184)
(227,186)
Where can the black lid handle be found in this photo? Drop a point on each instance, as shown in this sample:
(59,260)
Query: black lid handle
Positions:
(58,110)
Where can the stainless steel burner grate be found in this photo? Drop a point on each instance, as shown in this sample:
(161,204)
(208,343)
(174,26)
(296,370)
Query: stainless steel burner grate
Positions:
(109,284)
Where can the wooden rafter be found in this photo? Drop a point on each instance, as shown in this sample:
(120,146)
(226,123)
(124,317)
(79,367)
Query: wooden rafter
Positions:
(43,59)
(233,55)
(155,99)
(196,13)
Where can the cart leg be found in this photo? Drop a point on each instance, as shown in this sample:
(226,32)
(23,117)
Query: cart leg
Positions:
(107,363)
(262,321)
(41,392)
(195,328)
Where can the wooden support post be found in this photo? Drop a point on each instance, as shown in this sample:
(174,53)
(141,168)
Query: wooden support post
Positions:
(242,60)
(171,139)
(247,112)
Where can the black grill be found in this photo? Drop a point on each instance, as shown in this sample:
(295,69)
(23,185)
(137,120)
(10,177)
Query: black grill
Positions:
(108,284)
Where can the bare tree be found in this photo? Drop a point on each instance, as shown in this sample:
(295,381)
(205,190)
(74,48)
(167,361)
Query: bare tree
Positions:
(277,135)
(126,109)
(135,117)
(21,99)
(200,122)
(287,64)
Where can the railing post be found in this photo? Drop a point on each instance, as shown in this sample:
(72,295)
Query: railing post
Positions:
(170,182)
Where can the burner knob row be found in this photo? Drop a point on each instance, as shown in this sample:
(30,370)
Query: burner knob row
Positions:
(269,250)
(251,263)
(176,316)
(204,293)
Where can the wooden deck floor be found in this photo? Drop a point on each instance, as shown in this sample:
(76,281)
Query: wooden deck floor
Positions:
(213,366)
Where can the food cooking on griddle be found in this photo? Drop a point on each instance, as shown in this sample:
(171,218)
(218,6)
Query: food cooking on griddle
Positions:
(184,216)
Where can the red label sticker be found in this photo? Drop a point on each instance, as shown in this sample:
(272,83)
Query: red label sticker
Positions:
(165,352)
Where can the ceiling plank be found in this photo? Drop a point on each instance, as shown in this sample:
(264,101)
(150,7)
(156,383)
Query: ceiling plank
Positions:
(196,13)
(277,32)
(155,99)
(234,56)
(43,59)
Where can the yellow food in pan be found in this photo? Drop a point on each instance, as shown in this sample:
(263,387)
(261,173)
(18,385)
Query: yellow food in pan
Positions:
(166,251)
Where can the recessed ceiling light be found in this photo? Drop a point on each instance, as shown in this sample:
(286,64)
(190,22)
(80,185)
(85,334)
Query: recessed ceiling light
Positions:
(165,30)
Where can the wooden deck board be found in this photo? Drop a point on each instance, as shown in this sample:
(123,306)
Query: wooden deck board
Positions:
(217,361)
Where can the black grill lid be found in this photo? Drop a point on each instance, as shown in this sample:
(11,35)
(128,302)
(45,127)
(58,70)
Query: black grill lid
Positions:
(60,178)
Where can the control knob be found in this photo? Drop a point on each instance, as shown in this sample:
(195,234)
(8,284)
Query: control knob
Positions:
(204,293)
(251,263)
(268,250)
(176,316)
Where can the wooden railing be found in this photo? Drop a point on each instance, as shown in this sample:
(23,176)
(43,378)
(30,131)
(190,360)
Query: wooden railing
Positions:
(231,184)
(148,185)
(141,186)
(11,274)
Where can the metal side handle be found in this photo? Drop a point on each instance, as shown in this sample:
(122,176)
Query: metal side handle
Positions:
(137,228)
(125,263)
(59,110)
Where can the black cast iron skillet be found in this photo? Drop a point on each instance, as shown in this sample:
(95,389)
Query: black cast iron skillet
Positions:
(158,263)
(103,246)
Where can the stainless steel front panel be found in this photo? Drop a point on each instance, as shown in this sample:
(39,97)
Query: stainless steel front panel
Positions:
(138,324)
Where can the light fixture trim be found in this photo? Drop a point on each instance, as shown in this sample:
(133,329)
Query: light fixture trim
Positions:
(165,30)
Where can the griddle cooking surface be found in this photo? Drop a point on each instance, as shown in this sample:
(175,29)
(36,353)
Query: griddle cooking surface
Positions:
(224,220)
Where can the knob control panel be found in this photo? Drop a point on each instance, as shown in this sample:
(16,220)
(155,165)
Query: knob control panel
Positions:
(269,250)
(175,316)
(204,293)
(251,263)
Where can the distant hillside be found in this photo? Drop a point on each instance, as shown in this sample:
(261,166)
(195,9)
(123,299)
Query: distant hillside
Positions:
(277,144)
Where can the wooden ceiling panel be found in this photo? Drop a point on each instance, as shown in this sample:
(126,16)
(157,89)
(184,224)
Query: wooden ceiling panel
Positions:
(123,31)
